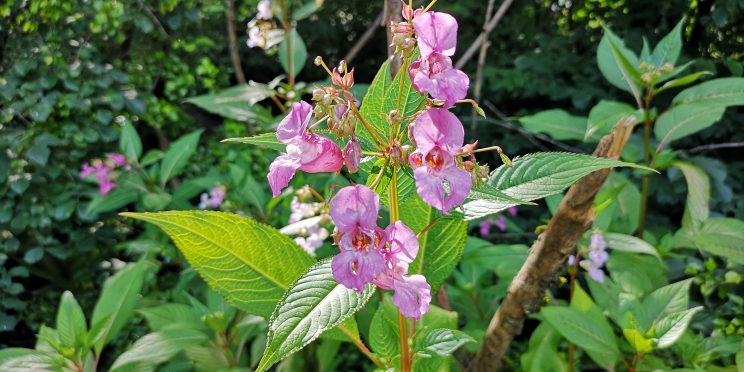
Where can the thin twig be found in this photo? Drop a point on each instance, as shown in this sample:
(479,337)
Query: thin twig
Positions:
(233,37)
(715,146)
(364,39)
(481,64)
(484,35)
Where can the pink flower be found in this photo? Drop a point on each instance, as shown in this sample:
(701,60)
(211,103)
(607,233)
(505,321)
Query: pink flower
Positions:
(106,186)
(86,170)
(484,228)
(306,151)
(264,10)
(436,33)
(435,75)
(352,155)
(439,135)
(354,212)
(118,159)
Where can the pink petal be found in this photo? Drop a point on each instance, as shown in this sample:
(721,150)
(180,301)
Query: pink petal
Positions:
(354,269)
(430,186)
(295,123)
(352,155)
(436,32)
(355,206)
(438,127)
(412,295)
(281,171)
(328,158)
(404,245)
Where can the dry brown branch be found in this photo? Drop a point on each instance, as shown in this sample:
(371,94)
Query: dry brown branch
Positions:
(484,34)
(548,255)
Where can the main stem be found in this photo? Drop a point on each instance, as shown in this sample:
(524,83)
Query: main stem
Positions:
(647,149)
(405,357)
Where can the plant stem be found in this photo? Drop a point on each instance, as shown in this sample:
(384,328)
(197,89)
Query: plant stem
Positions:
(647,155)
(372,131)
(362,347)
(288,38)
(572,286)
(405,357)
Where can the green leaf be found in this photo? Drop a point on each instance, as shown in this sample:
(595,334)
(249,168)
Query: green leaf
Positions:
(683,120)
(236,102)
(717,92)
(313,304)
(668,49)
(443,342)
(293,41)
(684,80)
(666,300)
(588,333)
(698,195)
(178,155)
(671,327)
(71,324)
(383,330)
(18,359)
(151,157)
(267,140)
(160,317)
(542,352)
(248,263)
(115,305)
(372,104)
(486,199)
(440,247)
(638,341)
(541,174)
(38,153)
(130,143)
(306,10)
(636,274)
(629,243)
(114,200)
(617,63)
(722,237)
(557,124)
(604,116)
(159,347)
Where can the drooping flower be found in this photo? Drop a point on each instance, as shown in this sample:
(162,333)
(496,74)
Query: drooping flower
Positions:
(439,135)
(436,36)
(352,155)
(597,257)
(264,10)
(306,151)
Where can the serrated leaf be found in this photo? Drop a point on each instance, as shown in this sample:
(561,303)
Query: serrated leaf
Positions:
(312,305)
(666,300)
(130,143)
(267,140)
(236,102)
(115,305)
(671,327)
(178,155)
(668,49)
(538,175)
(683,120)
(383,330)
(158,347)
(557,124)
(440,247)
(248,263)
(603,117)
(629,243)
(486,199)
(698,195)
(717,92)
(443,342)
(71,324)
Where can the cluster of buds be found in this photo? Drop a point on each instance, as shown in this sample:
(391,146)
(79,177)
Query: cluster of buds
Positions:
(104,171)
(652,73)
(262,32)
(333,102)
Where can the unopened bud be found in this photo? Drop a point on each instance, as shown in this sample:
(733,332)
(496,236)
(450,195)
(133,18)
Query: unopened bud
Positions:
(643,66)
(318,94)
(667,67)
(327,99)
(646,77)
(468,165)
(318,60)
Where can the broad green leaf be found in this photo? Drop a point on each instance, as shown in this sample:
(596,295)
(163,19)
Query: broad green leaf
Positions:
(557,124)
(248,263)
(504,260)
(114,200)
(636,274)
(306,10)
(698,195)
(267,139)
(443,342)
(130,143)
(18,360)
(71,324)
(236,102)
(671,327)
(666,300)
(440,247)
(668,49)
(159,347)
(383,330)
(629,243)
(542,353)
(541,174)
(161,316)
(406,184)
(402,87)
(604,116)
(586,332)
(151,157)
(638,341)
(115,305)
(720,236)
(613,59)
(684,80)
(292,44)
(486,199)
(178,155)
(312,305)
(683,120)
(373,102)
(617,205)
(722,92)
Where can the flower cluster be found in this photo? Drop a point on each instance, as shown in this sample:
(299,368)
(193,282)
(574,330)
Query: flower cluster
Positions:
(214,199)
(485,226)
(105,171)
(262,32)
(306,222)
(369,254)
(597,257)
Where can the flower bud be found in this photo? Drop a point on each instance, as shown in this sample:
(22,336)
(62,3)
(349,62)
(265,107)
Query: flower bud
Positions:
(352,155)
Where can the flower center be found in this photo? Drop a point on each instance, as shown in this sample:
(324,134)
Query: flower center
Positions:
(435,159)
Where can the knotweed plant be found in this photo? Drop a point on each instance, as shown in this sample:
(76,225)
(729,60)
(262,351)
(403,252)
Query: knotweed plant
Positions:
(399,220)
